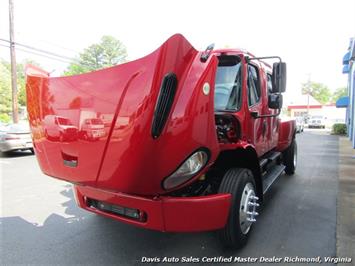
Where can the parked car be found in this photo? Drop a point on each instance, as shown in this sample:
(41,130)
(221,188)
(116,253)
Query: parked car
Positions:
(59,128)
(15,137)
(299,124)
(93,129)
(316,122)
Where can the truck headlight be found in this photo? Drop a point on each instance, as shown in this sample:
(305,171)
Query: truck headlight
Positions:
(187,170)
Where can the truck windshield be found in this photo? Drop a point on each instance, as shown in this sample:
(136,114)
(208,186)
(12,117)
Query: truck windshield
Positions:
(96,122)
(228,83)
(64,122)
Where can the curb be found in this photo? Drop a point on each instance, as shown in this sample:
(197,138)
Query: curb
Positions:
(345,231)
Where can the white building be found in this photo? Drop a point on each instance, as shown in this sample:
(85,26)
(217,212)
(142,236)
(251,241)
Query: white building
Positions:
(307,106)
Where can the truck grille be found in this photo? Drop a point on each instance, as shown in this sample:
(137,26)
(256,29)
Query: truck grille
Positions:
(126,212)
(165,101)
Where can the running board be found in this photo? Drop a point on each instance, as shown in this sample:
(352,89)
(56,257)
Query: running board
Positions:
(269,158)
(271,176)
(274,156)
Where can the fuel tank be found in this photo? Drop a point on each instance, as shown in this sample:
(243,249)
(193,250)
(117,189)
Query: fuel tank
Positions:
(125,128)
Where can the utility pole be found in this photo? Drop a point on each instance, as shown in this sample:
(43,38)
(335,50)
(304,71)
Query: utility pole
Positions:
(13,64)
(308,92)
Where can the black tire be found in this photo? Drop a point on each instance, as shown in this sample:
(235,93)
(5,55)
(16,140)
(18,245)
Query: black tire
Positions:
(234,181)
(290,158)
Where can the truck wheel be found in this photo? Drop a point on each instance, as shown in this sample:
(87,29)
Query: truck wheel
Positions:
(239,182)
(290,158)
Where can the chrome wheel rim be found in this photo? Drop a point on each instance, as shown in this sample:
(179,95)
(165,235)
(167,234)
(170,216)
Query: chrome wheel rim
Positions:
(247,210)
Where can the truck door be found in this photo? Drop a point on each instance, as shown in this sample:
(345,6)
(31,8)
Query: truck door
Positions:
(257,126)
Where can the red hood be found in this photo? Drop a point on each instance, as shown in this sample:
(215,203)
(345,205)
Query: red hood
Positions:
(129,157)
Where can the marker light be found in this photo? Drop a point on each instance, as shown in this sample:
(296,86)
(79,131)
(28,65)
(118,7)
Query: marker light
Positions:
(187,170)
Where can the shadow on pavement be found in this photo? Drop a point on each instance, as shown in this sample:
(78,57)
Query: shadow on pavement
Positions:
(298,219)
(14,154)
(90,239)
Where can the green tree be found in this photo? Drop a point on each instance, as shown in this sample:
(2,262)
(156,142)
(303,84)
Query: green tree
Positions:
(5,86)
(108,52)
(5,92)
(340,92)
(318,91)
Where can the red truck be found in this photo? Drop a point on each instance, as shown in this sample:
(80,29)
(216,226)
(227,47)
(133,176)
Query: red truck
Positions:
(200,145)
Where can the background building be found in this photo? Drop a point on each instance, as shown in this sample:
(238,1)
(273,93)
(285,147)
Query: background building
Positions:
(306,106)
(349,101)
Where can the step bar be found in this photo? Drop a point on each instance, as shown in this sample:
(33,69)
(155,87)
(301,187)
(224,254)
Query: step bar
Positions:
(271,176)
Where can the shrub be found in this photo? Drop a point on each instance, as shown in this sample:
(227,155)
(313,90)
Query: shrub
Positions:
(339,129)
(5,118)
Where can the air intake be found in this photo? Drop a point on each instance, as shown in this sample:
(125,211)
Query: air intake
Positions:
(165,101)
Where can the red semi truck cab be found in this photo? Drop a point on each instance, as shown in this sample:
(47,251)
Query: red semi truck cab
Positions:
(189,134)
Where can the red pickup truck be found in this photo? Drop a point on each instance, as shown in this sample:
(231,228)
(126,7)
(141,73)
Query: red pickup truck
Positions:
(193,138)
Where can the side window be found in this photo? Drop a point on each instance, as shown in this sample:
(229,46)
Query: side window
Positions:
(269,83)
(253,85)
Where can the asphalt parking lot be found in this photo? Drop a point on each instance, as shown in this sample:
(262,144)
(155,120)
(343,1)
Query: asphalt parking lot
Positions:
(41,225)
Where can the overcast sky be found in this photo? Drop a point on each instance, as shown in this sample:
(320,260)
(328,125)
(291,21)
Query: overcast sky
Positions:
(311,36)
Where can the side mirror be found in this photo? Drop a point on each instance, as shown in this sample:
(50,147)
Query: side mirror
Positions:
(275,101)
(279,77)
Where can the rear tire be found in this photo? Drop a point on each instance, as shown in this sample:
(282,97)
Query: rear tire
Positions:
(239,182)
(290,158)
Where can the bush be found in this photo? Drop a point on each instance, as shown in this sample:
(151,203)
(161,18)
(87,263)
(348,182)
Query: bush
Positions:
(5,118)
(339,129)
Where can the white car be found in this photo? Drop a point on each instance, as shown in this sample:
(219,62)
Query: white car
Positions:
(299,124)
(93,129)
(15,137)
(59,128)
(316,122)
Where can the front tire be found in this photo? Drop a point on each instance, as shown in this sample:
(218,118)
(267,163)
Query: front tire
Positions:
(290,158)
(239,182)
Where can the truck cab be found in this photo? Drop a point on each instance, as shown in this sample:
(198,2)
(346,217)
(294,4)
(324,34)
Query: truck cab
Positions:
(242,89)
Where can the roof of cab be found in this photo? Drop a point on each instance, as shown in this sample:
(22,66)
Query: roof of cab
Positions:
(238,51)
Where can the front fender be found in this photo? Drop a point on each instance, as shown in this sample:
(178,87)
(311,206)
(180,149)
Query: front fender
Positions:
(287,132)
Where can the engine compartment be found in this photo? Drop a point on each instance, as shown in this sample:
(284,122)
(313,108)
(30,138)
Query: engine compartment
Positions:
(227,128)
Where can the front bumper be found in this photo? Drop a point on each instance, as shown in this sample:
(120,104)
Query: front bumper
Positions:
(167,214)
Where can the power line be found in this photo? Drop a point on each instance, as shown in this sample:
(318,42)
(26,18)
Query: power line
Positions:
(38,50)
(7,46)
(45,53)
(50,43)
(49,57)
(41,52)
(46,56)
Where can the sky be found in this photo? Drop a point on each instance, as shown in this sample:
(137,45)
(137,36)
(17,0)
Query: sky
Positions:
(311,36)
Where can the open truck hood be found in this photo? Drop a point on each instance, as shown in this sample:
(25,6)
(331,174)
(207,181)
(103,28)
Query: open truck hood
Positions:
(138,150)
